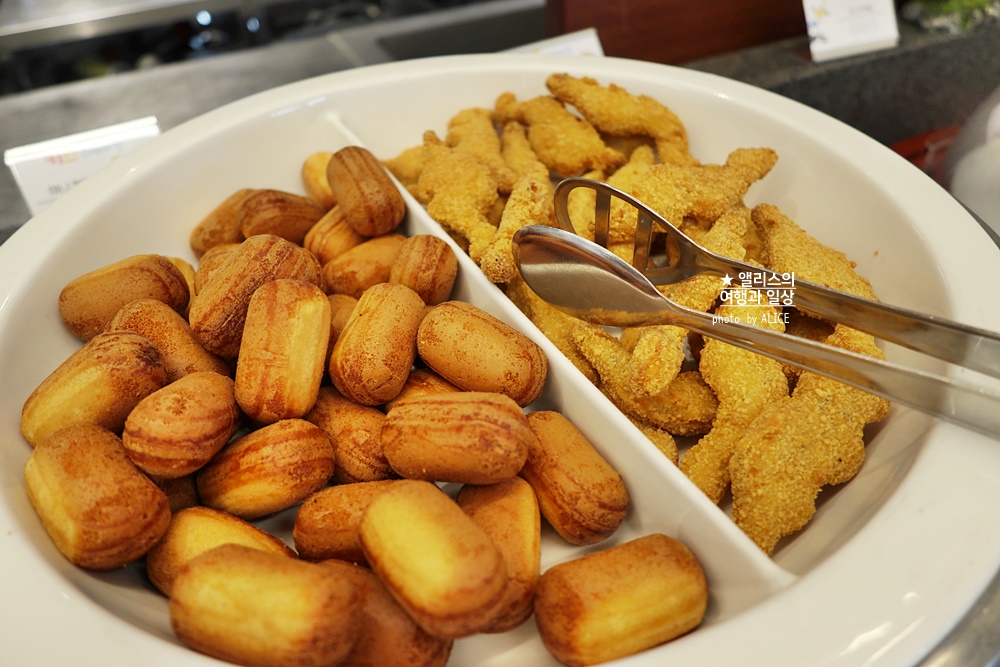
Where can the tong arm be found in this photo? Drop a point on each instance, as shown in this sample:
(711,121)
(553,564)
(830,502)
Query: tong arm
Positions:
(971,347)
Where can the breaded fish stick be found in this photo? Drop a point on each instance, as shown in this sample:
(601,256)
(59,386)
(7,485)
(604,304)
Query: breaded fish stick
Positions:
(787,248)
(798,445)
(703,192)
(658,351)
(471,131)
(641,159)
(459,192)
(556,325)
(672,411)
(613,110)
(530,203)
(744,383)
(567,144)
(406,166)
(517,152)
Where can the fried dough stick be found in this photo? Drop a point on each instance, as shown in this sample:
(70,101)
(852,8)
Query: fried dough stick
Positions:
(471,131)
(615,111)
(703,192)
(744,383)
(566,144)
(798,445)
(459,192)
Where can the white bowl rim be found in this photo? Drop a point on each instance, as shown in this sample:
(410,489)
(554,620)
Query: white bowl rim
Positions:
(894,610)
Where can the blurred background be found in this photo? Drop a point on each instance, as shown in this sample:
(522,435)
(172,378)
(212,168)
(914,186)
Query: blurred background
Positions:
(73,65)
(46,42)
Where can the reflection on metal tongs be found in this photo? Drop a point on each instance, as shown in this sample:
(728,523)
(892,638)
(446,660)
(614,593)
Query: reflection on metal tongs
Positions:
(587,280)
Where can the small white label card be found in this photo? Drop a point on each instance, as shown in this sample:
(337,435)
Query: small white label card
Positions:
(840,28)
(580,43)
(45,170)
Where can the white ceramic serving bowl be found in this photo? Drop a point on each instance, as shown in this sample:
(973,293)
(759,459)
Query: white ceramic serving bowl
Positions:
(891,560)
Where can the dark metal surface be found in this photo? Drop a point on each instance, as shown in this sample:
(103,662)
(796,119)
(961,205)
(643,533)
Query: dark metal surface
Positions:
(975,640)
(173,93)
(178,92)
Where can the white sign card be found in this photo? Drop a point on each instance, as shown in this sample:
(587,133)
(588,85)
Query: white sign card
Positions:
(48,169)
(580,43)
(840,28)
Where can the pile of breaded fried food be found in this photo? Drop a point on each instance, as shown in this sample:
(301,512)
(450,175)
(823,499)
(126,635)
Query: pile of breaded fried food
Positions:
(769,435)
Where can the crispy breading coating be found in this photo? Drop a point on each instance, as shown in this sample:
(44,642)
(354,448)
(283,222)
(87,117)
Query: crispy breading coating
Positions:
(661,438)
(580,206)
(612,109)
(472,131)
(773,450)
(638,161)
(790,249)
(798,445)
(517,152)
(703,192)
(459,192)
(624,250)
(671,411)
(406,166)
(496,211)
(814,438)
(641,159)
(787,248)
(695,403)
(530,203)
(725,238)
(808,327)
(626,145)
(753,243)
(657,354)
(694,229)
(566,144)
(658,351)
(744,382)
(556,325)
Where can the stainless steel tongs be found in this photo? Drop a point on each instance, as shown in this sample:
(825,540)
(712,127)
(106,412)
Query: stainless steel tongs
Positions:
(587,280)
